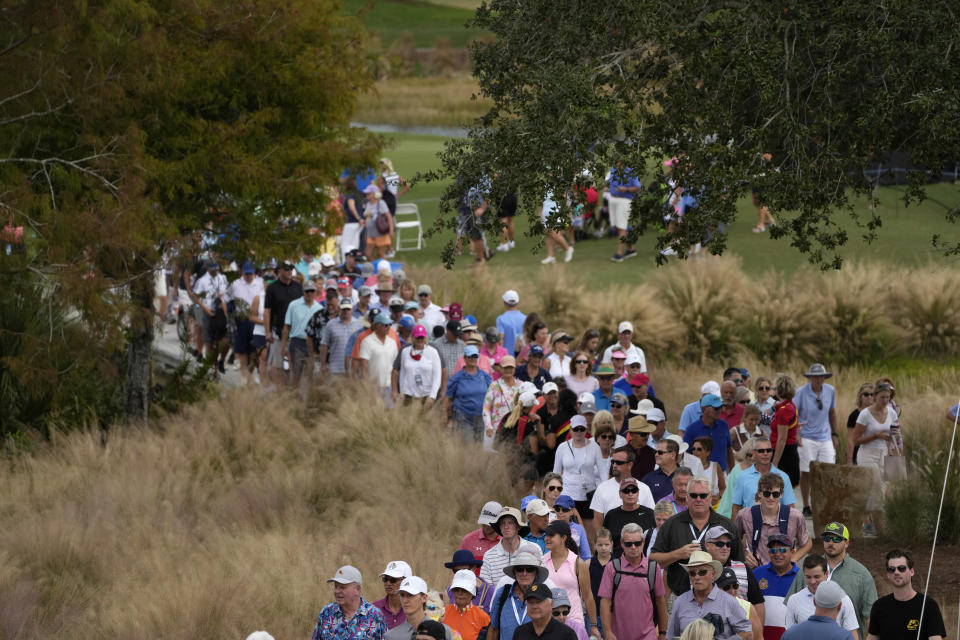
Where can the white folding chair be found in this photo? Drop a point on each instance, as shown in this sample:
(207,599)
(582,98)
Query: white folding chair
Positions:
(408,217)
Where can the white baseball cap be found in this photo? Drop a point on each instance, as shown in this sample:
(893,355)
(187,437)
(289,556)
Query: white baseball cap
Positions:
(347,575)
(586,396)
(489,513)
(655,415)
(633,358)
(528,387)
(511,297)
(548,387)
(625,326)
(260,635)
(414,585)
(537,508)
(710,386)
(397,569)
(466,580)
(326,260)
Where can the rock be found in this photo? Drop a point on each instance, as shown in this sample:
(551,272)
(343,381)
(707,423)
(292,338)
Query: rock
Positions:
(838,493)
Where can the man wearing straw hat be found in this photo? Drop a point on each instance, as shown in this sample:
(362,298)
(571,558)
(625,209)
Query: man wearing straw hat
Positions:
(508,609)
(708,601)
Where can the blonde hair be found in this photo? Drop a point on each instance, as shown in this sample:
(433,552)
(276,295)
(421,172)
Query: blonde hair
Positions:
(786,388)
(386,165)
(603,421)
(699,629)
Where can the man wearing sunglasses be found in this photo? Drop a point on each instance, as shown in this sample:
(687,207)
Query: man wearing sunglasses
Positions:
(706,600)
(607,495)
(390,605)
(897,615)
(745,493)
(630,511)
(639,431)
(508,610)
(632,610)
(660,480)
(760,521)
(682,535)
(817,415)
(775,579)
(853,577)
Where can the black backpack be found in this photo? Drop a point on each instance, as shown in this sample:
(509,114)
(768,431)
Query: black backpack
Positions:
(650,575)
(783,518)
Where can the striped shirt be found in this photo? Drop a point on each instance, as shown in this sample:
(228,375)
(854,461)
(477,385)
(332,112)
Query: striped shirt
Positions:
(336,335)
(497,558)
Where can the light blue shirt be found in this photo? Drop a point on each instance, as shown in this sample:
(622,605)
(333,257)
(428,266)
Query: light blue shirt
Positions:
(691,413)
(298,314)
(513,615)
(510,325)
(816,417)
(746,489)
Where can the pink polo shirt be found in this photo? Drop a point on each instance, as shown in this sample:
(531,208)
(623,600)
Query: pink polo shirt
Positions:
(633,609)
(477,543)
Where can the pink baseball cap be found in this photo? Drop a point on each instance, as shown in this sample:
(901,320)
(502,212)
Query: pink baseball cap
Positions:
(419,331)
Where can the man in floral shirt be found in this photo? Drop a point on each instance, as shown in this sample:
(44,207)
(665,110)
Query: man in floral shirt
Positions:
(349,616)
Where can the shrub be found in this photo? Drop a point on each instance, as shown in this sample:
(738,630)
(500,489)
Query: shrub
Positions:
(784,322)
(926,309)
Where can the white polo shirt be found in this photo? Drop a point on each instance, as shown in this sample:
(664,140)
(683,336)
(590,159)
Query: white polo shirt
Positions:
(800,606)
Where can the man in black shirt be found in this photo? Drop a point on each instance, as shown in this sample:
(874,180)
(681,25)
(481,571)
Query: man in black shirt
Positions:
(897,616)
(630,511)
(542,626)
(278,297)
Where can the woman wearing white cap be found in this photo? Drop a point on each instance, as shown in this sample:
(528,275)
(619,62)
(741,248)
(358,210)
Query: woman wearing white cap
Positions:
(499,399)
(576,461)
(558,362)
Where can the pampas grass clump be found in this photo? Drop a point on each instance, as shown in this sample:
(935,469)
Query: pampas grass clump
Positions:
(230,517)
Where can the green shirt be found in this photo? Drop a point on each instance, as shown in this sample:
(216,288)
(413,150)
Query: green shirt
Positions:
(855,581)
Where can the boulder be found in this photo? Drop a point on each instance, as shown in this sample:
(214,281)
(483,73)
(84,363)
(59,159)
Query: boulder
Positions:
(839,492)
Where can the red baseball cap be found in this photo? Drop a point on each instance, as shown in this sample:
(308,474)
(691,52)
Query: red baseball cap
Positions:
(639,380)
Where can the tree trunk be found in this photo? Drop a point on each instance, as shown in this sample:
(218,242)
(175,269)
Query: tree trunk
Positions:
(139,351)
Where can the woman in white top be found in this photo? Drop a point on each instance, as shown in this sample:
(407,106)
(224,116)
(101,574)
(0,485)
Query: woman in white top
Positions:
(259,334)
(606,436)
(558,362)
(872,433)
(580,379)
(701,449)
(576,461)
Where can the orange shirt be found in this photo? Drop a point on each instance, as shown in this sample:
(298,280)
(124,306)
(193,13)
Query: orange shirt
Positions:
(468,623)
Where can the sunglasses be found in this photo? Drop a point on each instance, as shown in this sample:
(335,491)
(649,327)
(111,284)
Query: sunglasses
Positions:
(658,452)
(616,405)
(554,488)
(697,572)
(867,394)
(698,496)
(423,295)
(819,404)
(771,494)
(722,544)
(697,449)
(744,402)
(562,509)
(576,429)
(524,569)
(834,539)
(766,450)
(560,613)
(632,543)
(580,361)
(630,490)
(390,579)
(604,378)
(763,388)
(899,569)
(778,549)
(618,462)
(606,436)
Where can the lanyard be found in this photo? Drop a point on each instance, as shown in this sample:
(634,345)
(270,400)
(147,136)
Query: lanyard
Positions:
(693,532)
(519,615)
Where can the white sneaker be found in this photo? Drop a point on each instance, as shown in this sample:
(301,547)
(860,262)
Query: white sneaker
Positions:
(669,251)
(503,247)
(513,245)
(548,260)
(568,256)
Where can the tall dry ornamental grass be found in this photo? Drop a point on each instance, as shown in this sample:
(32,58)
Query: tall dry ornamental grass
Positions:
(708,310)
(229,519)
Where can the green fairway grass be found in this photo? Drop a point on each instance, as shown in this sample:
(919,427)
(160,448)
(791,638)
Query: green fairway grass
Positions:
(427,22)
(904,237)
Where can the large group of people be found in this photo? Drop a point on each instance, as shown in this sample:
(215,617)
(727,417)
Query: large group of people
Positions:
(630,529)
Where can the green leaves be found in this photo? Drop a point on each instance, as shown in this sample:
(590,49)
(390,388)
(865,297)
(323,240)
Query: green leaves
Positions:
(826,89)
